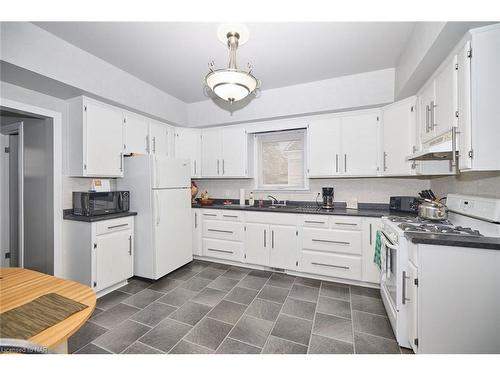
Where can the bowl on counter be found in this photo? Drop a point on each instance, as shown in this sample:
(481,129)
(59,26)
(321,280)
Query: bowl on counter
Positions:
(207,202)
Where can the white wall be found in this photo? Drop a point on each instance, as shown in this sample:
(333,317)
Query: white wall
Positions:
(34,49)
(359,90)
(365,190)
(485,184)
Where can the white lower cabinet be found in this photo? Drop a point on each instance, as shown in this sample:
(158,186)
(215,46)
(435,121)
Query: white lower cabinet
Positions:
(319,245)
(100,254)
(196,232)
(412,302)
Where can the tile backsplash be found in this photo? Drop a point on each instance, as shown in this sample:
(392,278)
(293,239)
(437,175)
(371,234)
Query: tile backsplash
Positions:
(366,190)
(486,184)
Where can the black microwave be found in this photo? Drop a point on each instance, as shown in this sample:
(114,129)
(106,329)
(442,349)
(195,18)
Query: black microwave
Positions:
(92,203)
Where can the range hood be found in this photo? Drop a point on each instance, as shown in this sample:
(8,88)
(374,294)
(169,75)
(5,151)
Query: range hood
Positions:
(439,148)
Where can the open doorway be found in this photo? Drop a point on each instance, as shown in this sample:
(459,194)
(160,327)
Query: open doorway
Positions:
(27,191)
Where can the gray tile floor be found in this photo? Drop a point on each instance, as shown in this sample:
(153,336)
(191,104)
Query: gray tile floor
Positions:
(215,308)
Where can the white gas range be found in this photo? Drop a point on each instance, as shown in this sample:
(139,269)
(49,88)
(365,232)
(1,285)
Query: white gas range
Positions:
(468,216)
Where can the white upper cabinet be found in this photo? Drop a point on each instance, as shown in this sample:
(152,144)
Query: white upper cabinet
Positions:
(136,133)
(344,145)
(188,146)
(161,138)
(95,139)
(398,127)
(359,144)
(211,152)
(224,152)
(479,100)
(324,145)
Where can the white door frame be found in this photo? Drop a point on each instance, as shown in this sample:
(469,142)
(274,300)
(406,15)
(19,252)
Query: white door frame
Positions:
(57,170)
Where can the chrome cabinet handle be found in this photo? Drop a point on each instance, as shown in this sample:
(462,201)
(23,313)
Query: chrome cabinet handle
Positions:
(220,230)
(233,216)
(223,167)
(337,163)
(331,241)
(265,235)
(314,222)
(117,226)
(195,220)
(209,214)
(154,145)
(385,161)
(217,166)
(345,162)
(130,245)
(330,265)
(272,239)
(433,108)
(427,118)
(147,144)
(220,251)
(371,240)
(195,166)
(404,299)
(352,224)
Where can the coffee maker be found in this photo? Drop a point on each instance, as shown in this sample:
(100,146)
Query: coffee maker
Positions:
(328,198)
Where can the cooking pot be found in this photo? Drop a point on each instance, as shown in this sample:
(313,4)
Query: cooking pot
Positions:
(432,210)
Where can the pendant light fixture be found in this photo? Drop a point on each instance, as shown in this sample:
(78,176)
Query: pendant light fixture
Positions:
(232,84)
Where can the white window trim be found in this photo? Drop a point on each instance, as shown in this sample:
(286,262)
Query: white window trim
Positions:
(279,135)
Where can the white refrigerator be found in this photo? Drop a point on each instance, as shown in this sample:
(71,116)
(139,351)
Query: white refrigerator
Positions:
(160,192)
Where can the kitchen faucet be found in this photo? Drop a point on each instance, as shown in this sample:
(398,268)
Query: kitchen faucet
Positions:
(275,202)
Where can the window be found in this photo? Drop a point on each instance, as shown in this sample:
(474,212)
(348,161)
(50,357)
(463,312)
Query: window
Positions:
(281,160)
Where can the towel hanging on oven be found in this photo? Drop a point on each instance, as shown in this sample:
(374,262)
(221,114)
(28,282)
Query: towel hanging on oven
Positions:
(378,245)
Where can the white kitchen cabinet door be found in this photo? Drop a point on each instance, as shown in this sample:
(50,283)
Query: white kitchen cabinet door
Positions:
(324,147)
(283,253)
(234,152)
(257,244)
(370,271)
(445,106)
(188,146)
(136,133)
(464,107)
(114,258)
(196,232)
(359,145)
(211,153)
(103,140)
(162,139)
(412,295)
(426,99)
(398,125)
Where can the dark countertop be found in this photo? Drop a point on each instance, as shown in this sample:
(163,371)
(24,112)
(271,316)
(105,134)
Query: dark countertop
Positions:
(68,215)
(309,208)
(459,241)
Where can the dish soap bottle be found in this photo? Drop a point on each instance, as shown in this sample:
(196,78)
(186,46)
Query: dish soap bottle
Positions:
(251,200)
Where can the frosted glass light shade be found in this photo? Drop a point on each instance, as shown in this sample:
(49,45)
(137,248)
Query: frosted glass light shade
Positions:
(231,85)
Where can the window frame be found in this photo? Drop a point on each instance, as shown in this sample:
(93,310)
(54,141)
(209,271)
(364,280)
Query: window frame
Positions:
(279,135)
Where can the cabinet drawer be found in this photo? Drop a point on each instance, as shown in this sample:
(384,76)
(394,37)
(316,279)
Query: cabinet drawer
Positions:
(223,230)
(210,214)
(222,249)
(230,215)
(335,265)
(332,240)
(319,221)
(109,226)
(346,222)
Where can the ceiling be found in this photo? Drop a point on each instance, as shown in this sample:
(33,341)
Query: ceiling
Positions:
(174,56)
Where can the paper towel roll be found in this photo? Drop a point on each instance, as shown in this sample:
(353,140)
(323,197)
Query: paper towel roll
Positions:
(242,197)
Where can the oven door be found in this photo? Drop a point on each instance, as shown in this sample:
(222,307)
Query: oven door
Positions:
(389,257)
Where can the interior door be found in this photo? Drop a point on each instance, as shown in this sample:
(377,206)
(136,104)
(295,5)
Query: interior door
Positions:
(445,106)
(211,151)
(324,147)
(464,107)
(283,253)
(398,120)
(104,140)
(359,144)
(114,258)
(257,244)
(234,151)
(136,134)
(173,235)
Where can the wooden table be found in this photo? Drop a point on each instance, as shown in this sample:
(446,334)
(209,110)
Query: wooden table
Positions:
(19,286)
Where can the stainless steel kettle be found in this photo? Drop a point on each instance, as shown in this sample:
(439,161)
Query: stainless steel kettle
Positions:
(432,210)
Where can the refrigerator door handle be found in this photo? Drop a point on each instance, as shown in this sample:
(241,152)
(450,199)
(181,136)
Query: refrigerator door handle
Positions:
(157,209)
